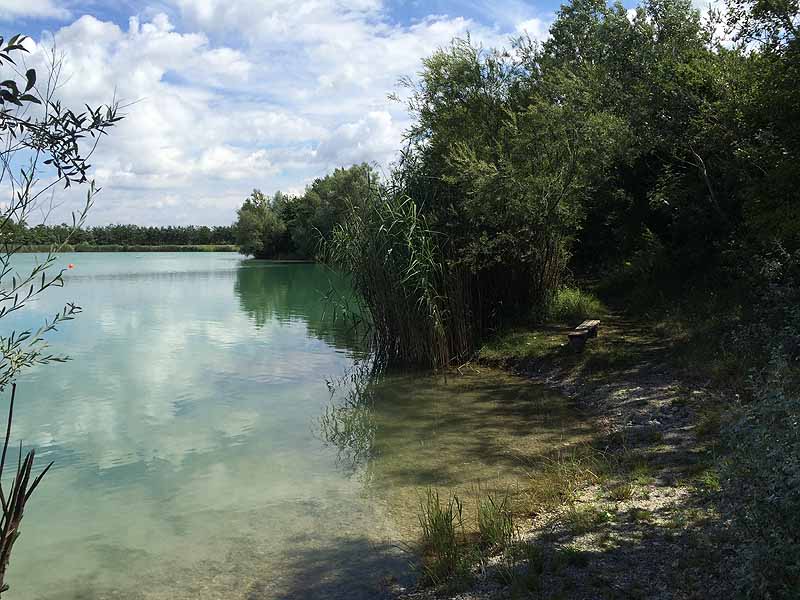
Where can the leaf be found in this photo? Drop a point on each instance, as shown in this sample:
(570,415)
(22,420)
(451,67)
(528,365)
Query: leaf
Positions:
(9,97)
(30,75)
(30,98)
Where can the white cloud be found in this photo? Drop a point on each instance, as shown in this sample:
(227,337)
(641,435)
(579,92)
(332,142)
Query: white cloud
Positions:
(20,9)
(230,95)
(372,138)
(232,163)
(536,28)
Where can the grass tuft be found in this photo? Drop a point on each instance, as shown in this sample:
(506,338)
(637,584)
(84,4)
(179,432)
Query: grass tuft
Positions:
(446,556)
(622,492)
(495,522)
(559,480)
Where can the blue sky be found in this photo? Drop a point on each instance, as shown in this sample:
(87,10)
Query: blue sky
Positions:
(229,95)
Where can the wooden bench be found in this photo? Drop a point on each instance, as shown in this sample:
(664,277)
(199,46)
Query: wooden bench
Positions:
(584,331)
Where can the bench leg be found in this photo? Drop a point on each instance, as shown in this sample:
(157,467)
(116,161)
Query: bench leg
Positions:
(577,342)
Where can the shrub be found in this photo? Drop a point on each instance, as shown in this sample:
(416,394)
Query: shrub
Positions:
(571,305)
(763,486)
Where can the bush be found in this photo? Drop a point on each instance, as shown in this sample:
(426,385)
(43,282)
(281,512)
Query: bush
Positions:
(763,486)
(761,478)
(571,305)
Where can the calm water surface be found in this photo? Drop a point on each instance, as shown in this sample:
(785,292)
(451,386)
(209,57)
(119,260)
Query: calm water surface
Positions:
(213,437)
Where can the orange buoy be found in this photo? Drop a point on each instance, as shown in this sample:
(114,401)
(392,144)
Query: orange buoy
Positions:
(70,266)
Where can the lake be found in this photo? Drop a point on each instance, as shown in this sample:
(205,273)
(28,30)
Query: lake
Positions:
(217,435)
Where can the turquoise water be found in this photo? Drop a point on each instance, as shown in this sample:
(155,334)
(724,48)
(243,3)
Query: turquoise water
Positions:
(198,445)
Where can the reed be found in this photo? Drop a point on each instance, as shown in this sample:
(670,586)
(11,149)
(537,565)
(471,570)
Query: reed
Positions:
(417,304)
(445,551)
(428,302)
(15,498)
(496,521)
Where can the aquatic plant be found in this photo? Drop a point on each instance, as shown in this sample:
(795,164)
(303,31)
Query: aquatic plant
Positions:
(417,305)
(16,496)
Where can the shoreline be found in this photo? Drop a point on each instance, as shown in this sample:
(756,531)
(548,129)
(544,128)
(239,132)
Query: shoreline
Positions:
(645,524)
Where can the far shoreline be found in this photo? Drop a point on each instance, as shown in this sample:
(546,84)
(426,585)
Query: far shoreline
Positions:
(39,248)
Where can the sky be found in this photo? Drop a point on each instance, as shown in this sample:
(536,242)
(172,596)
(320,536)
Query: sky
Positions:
(224,96)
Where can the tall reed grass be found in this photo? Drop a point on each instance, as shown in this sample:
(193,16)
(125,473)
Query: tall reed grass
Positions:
(431,300)
(418,305)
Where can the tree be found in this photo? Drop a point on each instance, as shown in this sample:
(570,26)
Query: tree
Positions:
(260,231)
(326,202)
(284,226)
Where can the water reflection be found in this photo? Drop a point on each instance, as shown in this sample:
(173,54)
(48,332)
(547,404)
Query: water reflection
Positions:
(182,438)
(347,423)
(313,293)
(191,459)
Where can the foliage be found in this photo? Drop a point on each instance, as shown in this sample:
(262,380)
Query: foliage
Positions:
(762,473)
(126,235)
(414,299)
(259,229)
(42,145)
(764,488)
(571,306)
(633,145)
(288,227)
(496,521)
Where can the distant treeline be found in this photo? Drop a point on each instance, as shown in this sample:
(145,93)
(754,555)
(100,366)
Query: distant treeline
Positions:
(124,236)
(133,248)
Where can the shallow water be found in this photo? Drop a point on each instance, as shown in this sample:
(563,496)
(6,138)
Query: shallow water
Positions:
(214,437)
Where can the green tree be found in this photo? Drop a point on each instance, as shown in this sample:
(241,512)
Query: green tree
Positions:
(260,231)
(326,202)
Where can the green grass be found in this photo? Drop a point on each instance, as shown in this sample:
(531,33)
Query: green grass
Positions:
(558,480)
(586,519)
(571,305)
(495,521)
(572,557)
(621,492)
(524,344)
(640,515)
(639,471)
(446,554)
